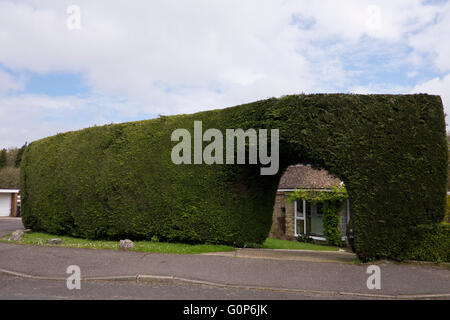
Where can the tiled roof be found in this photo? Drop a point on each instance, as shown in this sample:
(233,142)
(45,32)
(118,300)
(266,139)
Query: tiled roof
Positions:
(303,176)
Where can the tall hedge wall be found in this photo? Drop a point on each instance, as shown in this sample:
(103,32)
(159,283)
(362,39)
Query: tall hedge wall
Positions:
(119,181)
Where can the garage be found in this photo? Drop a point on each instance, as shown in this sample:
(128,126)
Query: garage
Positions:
(8,202)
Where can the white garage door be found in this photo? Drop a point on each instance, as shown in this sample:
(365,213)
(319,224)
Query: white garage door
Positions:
(5,204)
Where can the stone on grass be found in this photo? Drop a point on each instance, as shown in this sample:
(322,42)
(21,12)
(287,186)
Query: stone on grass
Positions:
(16,235)
(126,244)
(54,241)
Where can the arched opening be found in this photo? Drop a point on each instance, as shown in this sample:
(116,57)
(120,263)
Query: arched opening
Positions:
(302,217)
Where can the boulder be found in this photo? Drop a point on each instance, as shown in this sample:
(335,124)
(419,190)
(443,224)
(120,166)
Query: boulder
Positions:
(126,244)
(54,241)
(16,235)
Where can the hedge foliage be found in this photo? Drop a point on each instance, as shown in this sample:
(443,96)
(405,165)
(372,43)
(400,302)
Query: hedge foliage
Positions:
(433,245)
(118,180)
(447,213)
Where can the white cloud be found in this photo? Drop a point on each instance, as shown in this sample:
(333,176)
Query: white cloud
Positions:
(412,74)
(126,49)
(439,87)
(9,83)
(28,117)
(435,39)
(173,56)
(241,76)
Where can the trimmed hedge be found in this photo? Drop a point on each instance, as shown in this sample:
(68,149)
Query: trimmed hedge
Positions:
(447,212)
(434,245)
(118,180)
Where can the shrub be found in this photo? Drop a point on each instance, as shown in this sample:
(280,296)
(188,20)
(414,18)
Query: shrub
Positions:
(305,238)
(118,180)
(331,221)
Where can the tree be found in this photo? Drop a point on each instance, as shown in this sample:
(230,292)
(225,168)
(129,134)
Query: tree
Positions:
(19,155)
(448,165)
(9,178)
(11,155)
(2,158)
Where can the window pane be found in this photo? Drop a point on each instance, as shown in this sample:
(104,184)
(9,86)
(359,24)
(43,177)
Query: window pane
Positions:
(308,208)
(316,221)
(300,208)
(300,227)
(308,216)
(319,209)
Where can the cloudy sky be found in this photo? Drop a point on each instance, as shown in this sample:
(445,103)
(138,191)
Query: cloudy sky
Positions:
(64,67)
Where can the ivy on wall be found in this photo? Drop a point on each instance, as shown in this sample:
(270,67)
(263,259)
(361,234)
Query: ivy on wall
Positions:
(332,201)
(335,194)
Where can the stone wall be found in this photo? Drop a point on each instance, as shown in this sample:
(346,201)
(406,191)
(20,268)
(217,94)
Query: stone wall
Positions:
(283,218)
(290,220)
(278,228)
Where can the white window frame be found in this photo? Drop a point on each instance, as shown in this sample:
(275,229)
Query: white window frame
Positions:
(304,212)
(299,218)
(296,234)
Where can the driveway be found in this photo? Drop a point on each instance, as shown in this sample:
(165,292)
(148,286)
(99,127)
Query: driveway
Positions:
(8,225)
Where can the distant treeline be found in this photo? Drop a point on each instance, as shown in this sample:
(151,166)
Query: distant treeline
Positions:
(448,165)
(10,167)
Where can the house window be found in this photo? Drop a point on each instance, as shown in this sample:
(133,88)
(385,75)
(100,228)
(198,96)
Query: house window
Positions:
(308,218)
(315,219)
(300,227)
(345,218)
(319,209)
(299,213)
(299,207)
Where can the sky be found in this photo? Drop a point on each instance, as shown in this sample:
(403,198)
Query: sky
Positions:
(67,65)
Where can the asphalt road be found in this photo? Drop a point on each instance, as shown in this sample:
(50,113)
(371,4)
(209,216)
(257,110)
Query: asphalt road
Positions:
(12,288)
(40,273)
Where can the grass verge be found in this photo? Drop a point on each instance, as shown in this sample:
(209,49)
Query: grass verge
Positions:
(294,245)
(40,239)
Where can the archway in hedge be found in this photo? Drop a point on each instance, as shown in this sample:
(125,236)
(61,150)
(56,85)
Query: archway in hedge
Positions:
(311,205)
(119,181)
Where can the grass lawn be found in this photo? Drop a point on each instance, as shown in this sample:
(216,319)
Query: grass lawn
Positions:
(285,244)
(38,238)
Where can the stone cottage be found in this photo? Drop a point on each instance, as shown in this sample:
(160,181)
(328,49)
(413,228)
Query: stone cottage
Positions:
(301,217)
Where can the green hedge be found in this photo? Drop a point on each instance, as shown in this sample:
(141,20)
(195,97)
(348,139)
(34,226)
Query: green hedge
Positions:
(447,212)
(434,245)
(118,180)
